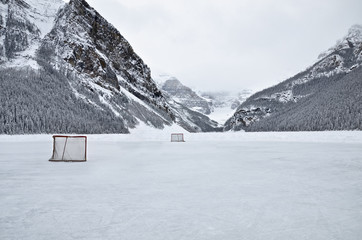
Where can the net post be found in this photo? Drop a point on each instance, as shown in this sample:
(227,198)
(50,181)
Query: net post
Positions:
(53,147)
(65,144)
(85,154)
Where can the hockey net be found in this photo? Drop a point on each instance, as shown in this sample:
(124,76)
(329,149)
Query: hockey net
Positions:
(69,148)
(177,137)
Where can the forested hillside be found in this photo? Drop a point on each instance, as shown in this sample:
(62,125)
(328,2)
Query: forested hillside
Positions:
(325,96)
(40,102)
(337,105)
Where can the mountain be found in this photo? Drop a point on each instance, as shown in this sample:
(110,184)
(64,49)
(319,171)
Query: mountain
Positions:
(185,95)
(222,99)
(65,69)
(326,96)
(218,106)
(224,103)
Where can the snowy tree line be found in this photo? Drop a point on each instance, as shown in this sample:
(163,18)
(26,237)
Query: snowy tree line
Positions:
(335,104)
(43,102)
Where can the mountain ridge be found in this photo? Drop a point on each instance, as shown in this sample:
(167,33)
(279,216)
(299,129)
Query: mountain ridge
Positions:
(285,98)
(96,65)
(186,96)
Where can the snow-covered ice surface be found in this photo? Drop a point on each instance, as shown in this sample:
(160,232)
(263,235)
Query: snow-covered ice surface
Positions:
(213,186)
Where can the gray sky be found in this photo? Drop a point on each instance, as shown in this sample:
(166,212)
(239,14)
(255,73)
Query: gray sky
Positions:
(230,44)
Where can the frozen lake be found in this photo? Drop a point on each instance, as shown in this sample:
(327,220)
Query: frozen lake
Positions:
(214,186)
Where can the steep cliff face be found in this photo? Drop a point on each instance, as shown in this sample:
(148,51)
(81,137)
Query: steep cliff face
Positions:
(268,110)
(23,24)
(73,45)
(87,42)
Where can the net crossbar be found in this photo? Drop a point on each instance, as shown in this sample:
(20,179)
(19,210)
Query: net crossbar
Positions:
(69,149)
(177,137)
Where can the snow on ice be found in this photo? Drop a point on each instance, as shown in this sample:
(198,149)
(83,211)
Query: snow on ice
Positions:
(232,185)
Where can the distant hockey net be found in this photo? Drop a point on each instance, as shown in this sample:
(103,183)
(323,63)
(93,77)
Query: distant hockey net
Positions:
(177,137)
(69,149)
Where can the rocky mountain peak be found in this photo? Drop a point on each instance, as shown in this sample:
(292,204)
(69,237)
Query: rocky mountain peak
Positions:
(79,2)
(353,40)
(91,45)
(355,33)
(186,96)
(173,85)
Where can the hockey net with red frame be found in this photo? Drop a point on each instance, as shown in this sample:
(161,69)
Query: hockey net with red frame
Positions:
(69,149)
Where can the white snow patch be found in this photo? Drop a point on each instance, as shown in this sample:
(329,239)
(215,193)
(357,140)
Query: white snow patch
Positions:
(109,105)
(25,58)
(285,96)
(43,13)
(322,69)
(221,114)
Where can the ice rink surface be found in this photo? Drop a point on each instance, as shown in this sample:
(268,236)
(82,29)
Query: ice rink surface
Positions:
(214,186)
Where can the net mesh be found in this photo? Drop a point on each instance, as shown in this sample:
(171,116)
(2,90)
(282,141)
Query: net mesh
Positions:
(69,149)
(177,137)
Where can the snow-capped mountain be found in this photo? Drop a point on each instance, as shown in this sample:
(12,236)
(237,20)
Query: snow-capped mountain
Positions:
(224,99)
(326,96)
(185,95)
(223,104)
(218,106)
(89,77)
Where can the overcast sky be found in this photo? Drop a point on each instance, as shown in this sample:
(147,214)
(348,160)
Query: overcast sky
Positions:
(230,44)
